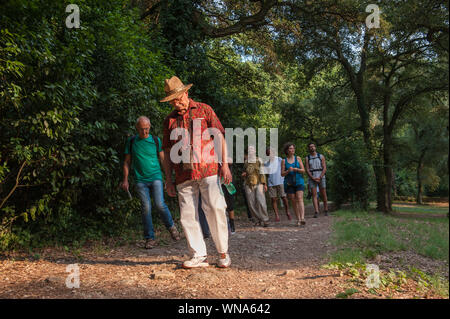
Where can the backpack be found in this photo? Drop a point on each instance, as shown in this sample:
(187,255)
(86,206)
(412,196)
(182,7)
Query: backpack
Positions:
(155,139)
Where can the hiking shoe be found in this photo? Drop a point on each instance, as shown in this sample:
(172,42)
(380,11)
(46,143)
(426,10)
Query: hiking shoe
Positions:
(265,224)
(224,261)
(302,222)
(277,218)
(289,216)
(326,213)
(196,262)
(316,214)
(232,228)
(150,243)
(174,233)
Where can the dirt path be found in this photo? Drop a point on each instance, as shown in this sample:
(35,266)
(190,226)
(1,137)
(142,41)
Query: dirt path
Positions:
(281,261)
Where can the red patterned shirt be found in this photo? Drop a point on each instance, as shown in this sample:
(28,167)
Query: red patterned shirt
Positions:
(204,114)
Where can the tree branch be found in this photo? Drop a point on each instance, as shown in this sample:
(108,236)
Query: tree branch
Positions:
(151,10)
(15,186)
(407,98)
(242,25)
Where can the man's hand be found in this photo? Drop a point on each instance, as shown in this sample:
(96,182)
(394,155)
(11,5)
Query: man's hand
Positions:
(170,189)
(124,185)
(226,174)
(290,169)
(265,188)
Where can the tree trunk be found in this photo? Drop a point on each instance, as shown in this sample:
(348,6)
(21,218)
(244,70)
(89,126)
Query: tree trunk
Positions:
(387,170)
(382,200)
(419,199)
(394,184)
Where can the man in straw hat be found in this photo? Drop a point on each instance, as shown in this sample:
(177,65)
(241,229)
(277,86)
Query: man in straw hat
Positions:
(196,174)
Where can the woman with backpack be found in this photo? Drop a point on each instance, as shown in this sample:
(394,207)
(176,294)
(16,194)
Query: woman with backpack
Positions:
(294,185)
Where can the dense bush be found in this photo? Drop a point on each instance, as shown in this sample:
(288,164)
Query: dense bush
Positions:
(68,99)
(349,174)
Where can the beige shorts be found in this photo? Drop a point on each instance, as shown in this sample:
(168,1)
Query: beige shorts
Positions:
(275,191)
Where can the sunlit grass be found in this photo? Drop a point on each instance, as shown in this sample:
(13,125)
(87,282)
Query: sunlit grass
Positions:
(420,209)
(360,236)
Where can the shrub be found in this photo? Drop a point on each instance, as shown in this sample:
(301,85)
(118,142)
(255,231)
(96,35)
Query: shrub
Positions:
(68,99)
(350,174)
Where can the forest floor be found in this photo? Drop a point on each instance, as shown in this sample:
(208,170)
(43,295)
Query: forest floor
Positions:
(282,261)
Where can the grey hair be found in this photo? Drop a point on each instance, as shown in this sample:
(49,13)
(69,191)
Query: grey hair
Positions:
(142,118)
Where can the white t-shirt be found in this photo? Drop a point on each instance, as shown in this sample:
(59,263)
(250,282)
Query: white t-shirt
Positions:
(274,167)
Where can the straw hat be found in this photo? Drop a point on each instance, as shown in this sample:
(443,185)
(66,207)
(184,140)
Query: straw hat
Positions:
(174,88)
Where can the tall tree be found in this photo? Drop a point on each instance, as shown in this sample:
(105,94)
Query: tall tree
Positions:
(387,67)
(426,142)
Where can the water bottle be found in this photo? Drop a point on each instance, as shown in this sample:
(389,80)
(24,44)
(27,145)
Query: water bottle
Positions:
(230,187)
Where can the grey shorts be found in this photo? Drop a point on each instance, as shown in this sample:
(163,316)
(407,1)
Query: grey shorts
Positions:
(274,191)
(322,184)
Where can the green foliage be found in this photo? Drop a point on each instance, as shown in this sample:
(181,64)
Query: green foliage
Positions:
(387,280)
(430,282)
(422,209)
(350,174)
(69,98)
(405,183)
(361,236)
(422,156)
(347,293)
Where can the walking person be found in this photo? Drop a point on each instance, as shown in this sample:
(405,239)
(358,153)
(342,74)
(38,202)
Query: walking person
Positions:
(275,183)
(229,200)
(202,219)
(309,196)
(255,186)
(316,169)
(294,185)
(198,174)
(244,195)
(141,155)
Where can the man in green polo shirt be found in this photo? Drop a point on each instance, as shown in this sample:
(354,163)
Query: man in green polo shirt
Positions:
(141,155)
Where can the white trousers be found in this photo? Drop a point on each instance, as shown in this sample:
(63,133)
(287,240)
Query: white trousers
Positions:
(214,206)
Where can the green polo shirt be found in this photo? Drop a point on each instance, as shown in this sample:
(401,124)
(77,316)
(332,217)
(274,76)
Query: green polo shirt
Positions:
(144,160)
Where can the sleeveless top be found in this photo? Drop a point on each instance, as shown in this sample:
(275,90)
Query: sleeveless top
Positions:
(290,176)
(315,165)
